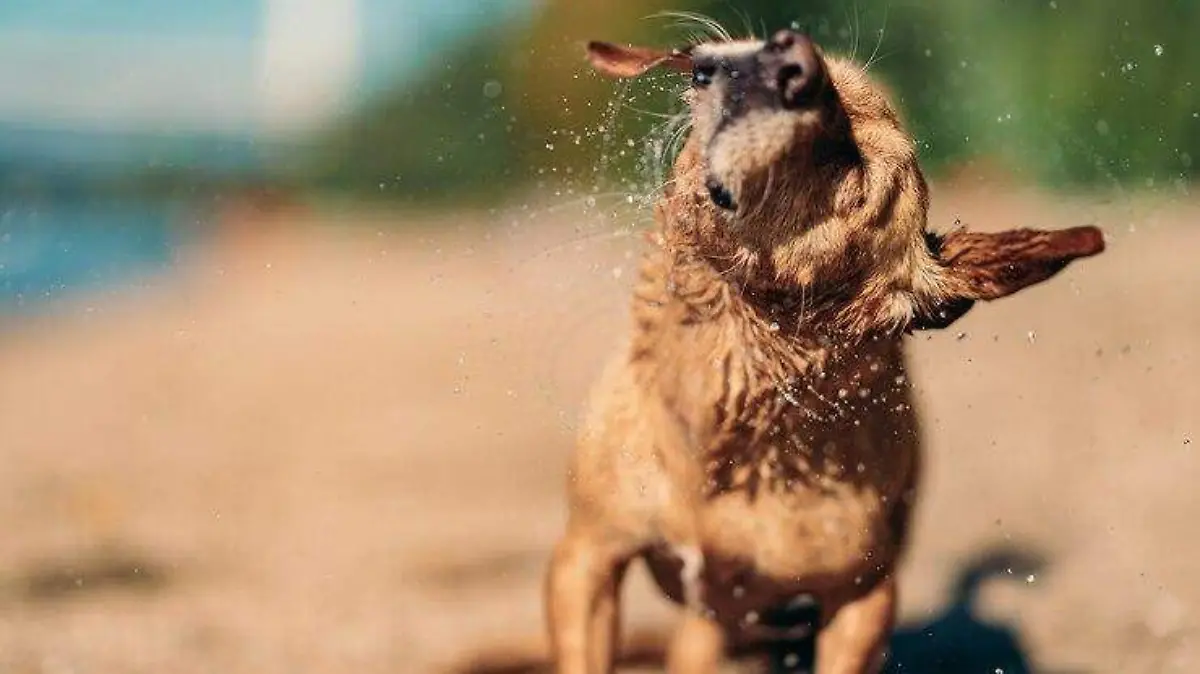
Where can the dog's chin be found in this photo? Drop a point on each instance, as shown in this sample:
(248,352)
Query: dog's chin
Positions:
(750,146)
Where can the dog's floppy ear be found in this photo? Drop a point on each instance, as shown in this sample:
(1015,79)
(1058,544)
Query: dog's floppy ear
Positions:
(976,266)
(623,62)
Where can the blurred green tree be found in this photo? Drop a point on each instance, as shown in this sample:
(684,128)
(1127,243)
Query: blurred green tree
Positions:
(449,136)
(1065,93)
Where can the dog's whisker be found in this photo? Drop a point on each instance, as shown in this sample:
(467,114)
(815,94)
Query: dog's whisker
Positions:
(738,262)
(801,316)
(711,27)
(857,32)
(647,113)
(881,57)
(878,42)
(765,200)
(747,24)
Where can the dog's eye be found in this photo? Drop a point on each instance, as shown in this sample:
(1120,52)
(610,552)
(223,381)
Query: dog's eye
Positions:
(702,74)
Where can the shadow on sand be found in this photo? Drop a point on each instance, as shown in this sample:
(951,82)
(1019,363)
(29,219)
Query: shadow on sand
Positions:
(958,639)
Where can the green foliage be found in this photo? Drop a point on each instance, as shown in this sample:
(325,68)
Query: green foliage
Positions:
(1065,93)
(449,135)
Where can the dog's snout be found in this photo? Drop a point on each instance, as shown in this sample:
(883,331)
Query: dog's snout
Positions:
(791,66)
(784,39)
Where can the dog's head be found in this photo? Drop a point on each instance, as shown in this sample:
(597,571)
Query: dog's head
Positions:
(799,175)
(754,104)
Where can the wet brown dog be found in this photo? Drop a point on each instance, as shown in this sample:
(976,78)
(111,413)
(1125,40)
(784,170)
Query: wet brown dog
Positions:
(755,441)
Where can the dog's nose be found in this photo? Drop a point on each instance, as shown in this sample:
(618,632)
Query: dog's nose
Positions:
(790,64)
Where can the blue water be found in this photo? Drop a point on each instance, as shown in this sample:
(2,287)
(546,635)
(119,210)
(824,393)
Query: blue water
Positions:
(59,250)
(71,155)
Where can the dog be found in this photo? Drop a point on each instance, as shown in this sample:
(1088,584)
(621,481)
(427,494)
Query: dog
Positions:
(754,441)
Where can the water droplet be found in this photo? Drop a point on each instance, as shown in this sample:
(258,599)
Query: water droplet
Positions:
(492,88)
(773,327)
(1030,579)
(842,393)
(960,336)
(1031,336)
(791,660)
(1158,50)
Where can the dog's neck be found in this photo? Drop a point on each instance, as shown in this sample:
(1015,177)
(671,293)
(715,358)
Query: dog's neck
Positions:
(841,309)
(736,365)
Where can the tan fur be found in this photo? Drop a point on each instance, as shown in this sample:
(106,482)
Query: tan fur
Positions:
(755,438)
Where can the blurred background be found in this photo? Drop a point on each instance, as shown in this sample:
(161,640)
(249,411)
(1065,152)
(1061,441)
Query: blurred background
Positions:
(299,300)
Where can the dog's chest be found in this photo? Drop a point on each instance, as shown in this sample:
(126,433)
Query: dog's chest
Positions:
(750,557)
(806,465)
(813,539)
(746,554)
(774,418)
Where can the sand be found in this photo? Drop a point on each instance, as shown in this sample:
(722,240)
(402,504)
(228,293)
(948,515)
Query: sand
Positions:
(339,445)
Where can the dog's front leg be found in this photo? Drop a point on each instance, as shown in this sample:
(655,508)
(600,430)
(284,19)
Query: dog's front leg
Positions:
(583,586)
(855,639)
(697,647)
